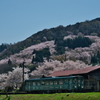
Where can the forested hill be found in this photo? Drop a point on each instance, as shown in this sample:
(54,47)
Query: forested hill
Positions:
(87,28)
(78,42)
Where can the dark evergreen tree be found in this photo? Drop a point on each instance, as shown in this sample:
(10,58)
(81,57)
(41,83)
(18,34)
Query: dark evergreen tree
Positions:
(77,42)
(44,53)
(9,62)
(33,59)
(96,59)
(3,47)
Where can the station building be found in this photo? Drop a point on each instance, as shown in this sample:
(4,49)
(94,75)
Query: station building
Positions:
(91,76)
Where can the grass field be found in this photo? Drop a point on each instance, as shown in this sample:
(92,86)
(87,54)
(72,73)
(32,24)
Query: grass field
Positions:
(55,96)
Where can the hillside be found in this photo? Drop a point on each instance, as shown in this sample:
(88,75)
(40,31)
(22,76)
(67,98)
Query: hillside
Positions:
(87,28)
(80,41)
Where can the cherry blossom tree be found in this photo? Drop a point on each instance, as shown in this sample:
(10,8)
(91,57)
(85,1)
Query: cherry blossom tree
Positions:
(15,77)
(3,78)
(51,66)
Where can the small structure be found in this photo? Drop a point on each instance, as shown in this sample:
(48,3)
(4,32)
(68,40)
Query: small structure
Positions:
(91,76)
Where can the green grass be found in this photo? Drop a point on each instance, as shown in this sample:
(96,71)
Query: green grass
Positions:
(55,96)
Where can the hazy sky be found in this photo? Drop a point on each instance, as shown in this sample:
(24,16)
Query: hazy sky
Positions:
(19,19)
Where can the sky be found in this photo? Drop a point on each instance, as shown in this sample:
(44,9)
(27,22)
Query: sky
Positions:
(19,19)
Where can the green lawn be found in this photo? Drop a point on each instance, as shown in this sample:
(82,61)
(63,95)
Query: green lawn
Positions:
(55,96)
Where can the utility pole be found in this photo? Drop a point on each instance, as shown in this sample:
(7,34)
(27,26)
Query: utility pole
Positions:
(23,70)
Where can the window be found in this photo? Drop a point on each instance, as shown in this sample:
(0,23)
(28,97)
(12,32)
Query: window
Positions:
(82,82)
(27,83)
(66,80)
(31,83)
(47,83)
(51,82)
(60,82)
(75,80)
(79,81)
(34,83)
(82,86)
(75,86)
(70,81)
(38,83)
(55,82)
(42,83)
(79,85)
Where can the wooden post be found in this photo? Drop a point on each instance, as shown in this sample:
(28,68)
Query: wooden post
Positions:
(97,85)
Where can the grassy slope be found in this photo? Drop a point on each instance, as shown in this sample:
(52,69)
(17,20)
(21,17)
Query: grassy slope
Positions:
(56,96)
